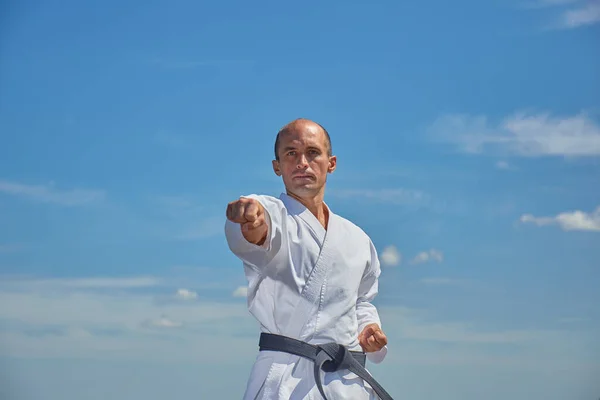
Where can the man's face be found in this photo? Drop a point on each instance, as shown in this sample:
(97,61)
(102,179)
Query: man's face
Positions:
(303,159)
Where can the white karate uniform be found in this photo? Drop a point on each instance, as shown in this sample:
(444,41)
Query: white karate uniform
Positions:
(310,284)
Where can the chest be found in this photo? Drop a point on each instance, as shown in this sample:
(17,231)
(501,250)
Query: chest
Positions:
(347,255)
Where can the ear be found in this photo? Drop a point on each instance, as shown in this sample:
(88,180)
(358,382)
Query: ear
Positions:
(276,168)
(332,164)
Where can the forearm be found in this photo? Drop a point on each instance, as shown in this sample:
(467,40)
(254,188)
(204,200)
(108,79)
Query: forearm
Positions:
(255,236)
(371,336)
(254,246)
(366,314)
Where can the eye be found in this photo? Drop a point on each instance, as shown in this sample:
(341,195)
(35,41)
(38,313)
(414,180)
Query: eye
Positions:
(291,153)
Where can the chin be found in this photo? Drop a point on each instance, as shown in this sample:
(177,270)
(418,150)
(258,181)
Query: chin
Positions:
(305,190)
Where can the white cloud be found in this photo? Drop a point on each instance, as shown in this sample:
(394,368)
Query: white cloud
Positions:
(522,134)
(568,221)
(573,13)
(49,194)
(241,291)
(185,294)
(391,256)
(121,318)
(54,321)
(162,322)
(64,329)
(504,165)
(584,15)
(421,257)
(51,335)
(428,256)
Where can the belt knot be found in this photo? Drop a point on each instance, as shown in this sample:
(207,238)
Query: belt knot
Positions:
(334,357)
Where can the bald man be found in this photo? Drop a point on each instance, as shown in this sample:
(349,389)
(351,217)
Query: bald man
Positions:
(312,276)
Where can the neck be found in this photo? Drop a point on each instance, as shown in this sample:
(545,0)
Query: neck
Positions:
(315,204)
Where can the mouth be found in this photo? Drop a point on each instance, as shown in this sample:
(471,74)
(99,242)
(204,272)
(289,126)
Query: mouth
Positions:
(303,176)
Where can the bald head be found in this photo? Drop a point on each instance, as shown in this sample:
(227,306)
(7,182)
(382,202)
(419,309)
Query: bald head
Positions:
(301,123)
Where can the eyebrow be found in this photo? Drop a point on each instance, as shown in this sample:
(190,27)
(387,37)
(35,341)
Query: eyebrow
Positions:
(288,148)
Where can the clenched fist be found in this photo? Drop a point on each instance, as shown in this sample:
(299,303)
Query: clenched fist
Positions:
(250,214)
(372,338)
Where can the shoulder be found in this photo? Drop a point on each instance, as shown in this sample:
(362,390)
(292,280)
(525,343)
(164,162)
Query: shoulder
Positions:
(273,205)
(353,229)
(263,198)
(362,242)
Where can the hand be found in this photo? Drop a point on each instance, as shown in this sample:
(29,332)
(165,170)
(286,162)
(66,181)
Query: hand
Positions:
(372,338)
(250,214)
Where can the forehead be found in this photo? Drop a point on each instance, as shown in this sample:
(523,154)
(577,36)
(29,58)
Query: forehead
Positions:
(305,134)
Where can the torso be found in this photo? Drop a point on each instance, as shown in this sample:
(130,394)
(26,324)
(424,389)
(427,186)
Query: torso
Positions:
(308,291)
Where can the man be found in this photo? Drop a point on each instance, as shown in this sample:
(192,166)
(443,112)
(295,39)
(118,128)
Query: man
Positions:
(311,275)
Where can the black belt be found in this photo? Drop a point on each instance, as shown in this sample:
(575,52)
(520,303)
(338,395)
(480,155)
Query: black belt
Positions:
(328,357)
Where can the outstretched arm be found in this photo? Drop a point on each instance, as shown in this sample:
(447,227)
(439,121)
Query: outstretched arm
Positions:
(252,227)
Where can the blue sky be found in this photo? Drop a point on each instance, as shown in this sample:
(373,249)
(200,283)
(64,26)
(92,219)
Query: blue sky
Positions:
(468,144)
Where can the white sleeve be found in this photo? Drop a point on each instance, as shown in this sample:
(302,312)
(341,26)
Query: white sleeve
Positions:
(366,312)
(255,256)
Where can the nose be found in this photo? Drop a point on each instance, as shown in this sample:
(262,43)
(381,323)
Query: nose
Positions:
(302,162)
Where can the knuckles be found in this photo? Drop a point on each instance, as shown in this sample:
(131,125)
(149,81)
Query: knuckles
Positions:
(372,338)
(244,210)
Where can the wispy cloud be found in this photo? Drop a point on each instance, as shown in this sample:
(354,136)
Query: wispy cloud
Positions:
(52,320)
(568,221)
(432,255)
(182,207)
(241,291)
(572,14)
(162,322)
(398,196)
(125,307)
(129,313)
(457,333)
(584,15)
(184,218)
(504,166)
(572,320)
(522,134)
(129,326)
(50,194)
(390,256)
(84,283)
(548,3)
(185,294)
